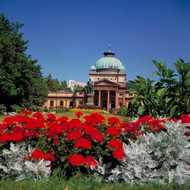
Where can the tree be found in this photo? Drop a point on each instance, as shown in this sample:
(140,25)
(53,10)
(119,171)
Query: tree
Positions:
(63,86)
(177,87)
(170,96)
(145,102)
(54,85)
(21,81)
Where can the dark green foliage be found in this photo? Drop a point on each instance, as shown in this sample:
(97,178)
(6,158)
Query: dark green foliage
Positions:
(21,80)
(2,109)
(122,110)
(170,96)
(17,108)
(54,85)
(56,110)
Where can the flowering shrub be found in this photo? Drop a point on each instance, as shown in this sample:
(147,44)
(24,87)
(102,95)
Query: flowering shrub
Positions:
(157,157)
(75,145)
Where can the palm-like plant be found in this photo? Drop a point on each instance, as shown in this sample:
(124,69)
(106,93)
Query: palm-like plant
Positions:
(176,97)
(170,96)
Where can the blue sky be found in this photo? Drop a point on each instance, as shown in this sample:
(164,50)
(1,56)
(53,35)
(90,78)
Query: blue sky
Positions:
(68,36)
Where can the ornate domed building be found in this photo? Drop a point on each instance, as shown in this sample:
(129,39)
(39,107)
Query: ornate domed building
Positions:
(108,75)
(109,87)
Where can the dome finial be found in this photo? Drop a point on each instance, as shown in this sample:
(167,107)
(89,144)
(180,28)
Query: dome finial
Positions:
(109,47)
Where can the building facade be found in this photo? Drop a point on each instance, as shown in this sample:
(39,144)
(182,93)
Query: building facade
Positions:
(110,91)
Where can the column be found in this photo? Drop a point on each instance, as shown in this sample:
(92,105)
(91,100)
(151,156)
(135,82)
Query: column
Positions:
(66,104)
(99,98)
(123,98)
(116,99)
(108,100)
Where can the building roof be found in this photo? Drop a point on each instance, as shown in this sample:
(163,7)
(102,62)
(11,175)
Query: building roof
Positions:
(108,63)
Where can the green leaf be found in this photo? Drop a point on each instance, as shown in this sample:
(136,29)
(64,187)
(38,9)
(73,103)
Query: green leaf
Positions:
(167,99)
(140,109)
(173,110)
(155,73)
(161,92)
(133,101)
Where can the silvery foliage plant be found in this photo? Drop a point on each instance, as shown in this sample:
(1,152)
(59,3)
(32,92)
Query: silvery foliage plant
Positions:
(160,157)
(15,163)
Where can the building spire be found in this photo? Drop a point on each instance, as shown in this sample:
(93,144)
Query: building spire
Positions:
(109,48)
(109,53)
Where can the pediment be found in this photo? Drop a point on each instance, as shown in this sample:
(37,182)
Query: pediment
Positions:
(105,82)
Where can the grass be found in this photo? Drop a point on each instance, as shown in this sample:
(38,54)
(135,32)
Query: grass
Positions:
(81,183)
(71,115)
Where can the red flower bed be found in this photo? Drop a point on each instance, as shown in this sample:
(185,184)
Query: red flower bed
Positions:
(74,142)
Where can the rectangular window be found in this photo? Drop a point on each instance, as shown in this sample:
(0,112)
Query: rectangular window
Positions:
(51,103)
(61,103)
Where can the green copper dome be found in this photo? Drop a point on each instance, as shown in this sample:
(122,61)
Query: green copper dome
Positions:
(108,63)
(122,68)
(92,68)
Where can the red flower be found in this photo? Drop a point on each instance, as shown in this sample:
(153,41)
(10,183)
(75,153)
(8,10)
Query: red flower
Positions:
(113,120)
(49,156)
(112,131)
(145,118)
(74,124)
(74,135)
(97,136)
(26,112)
(95,118)
(63,119)
(187,134)
(128,127)
(16,136)
(76,159)
(31,134)
(138,134)
(159,128)
(37,154)
(185,118)
(114,143)
(2,126)
(88,128)
(78,114)
(155,122)
(12,120)
(39,116)
(5,137)
(83,143)
(56,141)
(90,161)
(19,129)
(33,124)
(118,153)
(54,130)
(51,117)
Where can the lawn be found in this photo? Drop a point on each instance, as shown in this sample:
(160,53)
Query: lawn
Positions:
(71,115)
(80,183)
